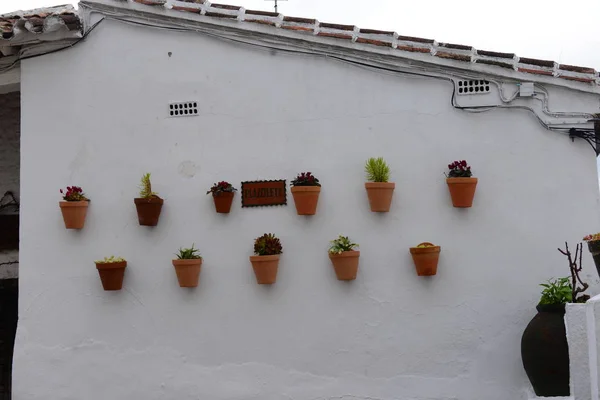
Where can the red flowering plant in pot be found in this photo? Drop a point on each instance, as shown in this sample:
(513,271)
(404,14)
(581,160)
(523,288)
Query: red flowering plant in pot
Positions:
(148,205)
(222,194)
(265,262)
(461,184)
(593,242)
(74,207)
(306,189)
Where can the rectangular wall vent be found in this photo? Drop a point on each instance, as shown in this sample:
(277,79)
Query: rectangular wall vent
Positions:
(183,109)
(473,86)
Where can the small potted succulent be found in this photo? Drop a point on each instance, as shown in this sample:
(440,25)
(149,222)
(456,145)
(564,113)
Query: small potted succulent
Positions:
(265,262)
(344,258)
(306,189)
(379,190)
(425,257)
(74,207)
(461,184)
(112,271)
(593,242)
(148,205)
(222,194)
(187,266)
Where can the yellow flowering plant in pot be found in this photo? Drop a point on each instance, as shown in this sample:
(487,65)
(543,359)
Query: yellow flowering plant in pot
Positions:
(111,270)
(425,256)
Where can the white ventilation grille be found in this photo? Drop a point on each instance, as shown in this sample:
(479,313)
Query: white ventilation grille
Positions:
(183,109)
(473,87)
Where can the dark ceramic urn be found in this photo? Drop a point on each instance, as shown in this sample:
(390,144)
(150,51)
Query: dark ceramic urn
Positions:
(545,352)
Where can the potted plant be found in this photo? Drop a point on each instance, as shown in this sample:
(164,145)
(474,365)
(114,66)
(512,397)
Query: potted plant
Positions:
(306,189)
(74,207)
(425,257)
(544,348)
(265,262)
(461,184)
(344,258)
(148,205)
(593,242)
(379,190)
(112,271)
(187,266)
(222,194)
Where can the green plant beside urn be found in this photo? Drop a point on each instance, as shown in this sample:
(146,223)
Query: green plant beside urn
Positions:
(544,347)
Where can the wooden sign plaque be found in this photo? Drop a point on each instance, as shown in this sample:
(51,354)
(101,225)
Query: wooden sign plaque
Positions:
(264,193)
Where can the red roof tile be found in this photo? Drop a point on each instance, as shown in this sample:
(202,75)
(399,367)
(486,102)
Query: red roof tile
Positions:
(535,71)
(415,39)
(535,61)
(375,42)
(458,57)
(12,24)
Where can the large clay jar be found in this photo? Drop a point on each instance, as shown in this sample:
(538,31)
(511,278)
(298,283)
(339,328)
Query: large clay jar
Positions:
(462,191)
(306,199)
(111,274)
(345,265)
(188,271)
(545,352)
(223,201)
(74,213)
(148,210)
(426,258)
(265,268)
(594,248)
(380,195)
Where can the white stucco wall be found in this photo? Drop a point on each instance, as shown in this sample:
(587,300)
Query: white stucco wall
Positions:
(95,116)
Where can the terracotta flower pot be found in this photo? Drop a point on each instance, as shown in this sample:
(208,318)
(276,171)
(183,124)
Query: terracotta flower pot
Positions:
(462,191)
(111,274)
(306,199)
(74,213)
(148,210)
(426,259)
(223,201)
(545,352)
(345,265)
(594,248)
(188,271)
(380,195)
(265,268)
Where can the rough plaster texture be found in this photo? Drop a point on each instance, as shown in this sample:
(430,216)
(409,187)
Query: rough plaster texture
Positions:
(577,337)
(270,115)
(10,122)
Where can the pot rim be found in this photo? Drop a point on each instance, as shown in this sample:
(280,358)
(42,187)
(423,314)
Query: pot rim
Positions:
(425,250)
(115,265)
(346,254)
(185,262)
(67,204)
(223,194)
(380,185)
(150,200)
(551,308)
(265,258)
(461,180)
(305,189)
